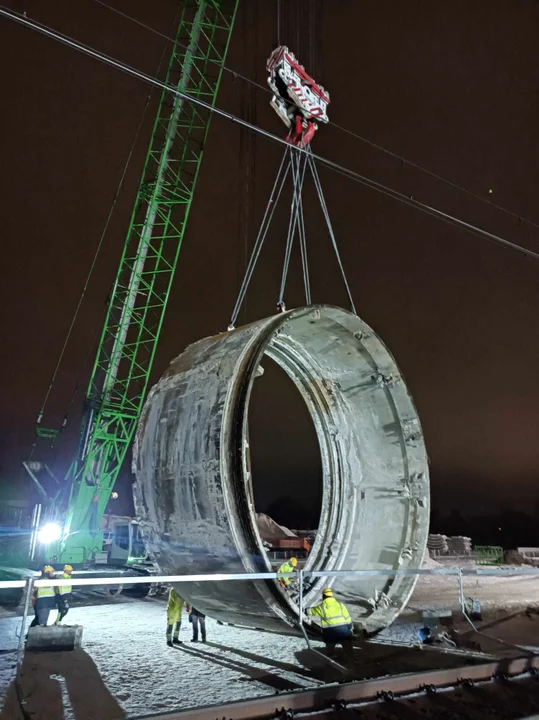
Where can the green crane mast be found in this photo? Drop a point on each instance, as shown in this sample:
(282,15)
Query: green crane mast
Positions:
(139,297)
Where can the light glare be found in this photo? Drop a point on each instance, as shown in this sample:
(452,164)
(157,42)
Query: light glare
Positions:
(49,533)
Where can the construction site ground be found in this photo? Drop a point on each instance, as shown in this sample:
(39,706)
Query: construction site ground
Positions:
(498,594)
(125,668)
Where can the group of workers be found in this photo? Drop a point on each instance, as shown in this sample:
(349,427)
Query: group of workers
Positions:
(174,619)
(334,617)
(335,620)
(49,597)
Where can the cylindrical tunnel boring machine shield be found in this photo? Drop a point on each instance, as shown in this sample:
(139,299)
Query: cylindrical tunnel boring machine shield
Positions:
(193,489)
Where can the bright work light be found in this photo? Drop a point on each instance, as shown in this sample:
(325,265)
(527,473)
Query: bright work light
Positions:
(49,533)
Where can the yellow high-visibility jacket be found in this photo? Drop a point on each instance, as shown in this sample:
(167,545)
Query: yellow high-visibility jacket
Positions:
(286,567)
(174,607)
(65,589)
(331,612)
(45,597)
(45,591)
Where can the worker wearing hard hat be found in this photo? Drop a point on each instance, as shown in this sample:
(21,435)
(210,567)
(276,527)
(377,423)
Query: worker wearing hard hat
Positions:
(64,594)
(44,598)
(335,621)
(289,566)
(174,617)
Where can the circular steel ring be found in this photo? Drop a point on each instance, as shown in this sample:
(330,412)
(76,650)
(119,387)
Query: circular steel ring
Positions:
(194,492)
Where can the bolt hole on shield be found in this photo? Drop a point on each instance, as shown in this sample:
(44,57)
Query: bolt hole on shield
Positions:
(194,490)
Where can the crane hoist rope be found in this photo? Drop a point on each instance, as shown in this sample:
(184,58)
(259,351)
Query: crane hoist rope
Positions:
(405,161)
(298,166)
(300,103)
(336,167)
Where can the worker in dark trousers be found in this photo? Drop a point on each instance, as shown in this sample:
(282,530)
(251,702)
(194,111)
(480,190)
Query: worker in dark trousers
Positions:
(196,617)
(336,623)
(44,599)
(64,594)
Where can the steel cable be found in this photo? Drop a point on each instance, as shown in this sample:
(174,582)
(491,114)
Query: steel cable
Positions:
(262,232)
(353,134)
(358,177)
(298,181)
(322,199)
(303,250)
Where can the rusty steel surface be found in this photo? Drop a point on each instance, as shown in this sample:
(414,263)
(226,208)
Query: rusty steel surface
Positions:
(338,696)
(194,493)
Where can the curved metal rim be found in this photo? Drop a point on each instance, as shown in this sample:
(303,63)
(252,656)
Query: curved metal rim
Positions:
(337,370)
(309,388)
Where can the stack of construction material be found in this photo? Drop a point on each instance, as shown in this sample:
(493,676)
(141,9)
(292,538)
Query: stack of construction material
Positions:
(527,555)
(515,557)
(459,545)
(437,545)
(309,534)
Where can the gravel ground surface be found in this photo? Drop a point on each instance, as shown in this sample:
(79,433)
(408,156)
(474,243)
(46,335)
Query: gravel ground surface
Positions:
(127,643)
(497,594)
(132,672)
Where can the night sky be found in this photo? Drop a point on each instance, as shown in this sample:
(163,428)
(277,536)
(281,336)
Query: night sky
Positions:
(451,86)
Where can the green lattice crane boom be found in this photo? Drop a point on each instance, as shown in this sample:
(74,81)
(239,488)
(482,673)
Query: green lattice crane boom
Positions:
(139,298)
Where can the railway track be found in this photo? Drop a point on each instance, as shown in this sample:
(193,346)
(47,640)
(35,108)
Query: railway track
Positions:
(504,689)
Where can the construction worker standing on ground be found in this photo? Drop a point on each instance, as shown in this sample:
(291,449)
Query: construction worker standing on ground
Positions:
(197,618)
(288,566)
(174,617)
(44,598)
(335,621)
(64,594)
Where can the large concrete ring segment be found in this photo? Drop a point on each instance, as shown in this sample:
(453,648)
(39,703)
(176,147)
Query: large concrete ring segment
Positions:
(194,493)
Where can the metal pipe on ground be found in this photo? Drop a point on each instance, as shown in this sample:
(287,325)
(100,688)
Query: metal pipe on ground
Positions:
(54,637)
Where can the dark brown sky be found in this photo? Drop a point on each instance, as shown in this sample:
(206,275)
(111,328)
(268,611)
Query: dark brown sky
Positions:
(451,86)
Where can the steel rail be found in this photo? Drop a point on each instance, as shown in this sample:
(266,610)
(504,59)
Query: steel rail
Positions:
(320,697)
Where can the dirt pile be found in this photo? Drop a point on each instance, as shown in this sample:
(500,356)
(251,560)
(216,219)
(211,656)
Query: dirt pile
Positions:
(429,563)
(270,530)
(513,557)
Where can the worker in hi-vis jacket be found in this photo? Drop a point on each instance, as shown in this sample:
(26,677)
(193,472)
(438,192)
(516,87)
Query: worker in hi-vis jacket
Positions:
(335,621)
(174,617)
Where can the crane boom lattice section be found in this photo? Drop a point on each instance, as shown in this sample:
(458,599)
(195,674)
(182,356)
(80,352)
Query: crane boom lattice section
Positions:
(142,286)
